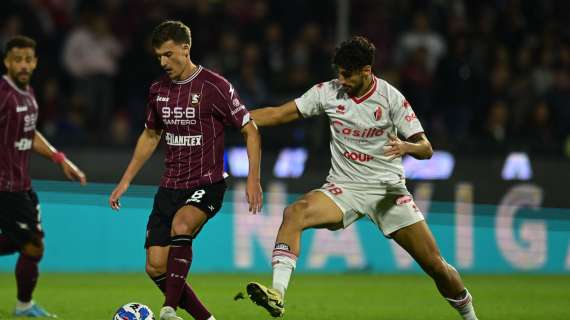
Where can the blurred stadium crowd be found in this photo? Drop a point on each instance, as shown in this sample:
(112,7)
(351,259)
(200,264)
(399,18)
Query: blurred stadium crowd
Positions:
(489,76)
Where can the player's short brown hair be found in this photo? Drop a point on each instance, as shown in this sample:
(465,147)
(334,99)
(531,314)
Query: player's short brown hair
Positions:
(171,30)
(354,54)
(19,42)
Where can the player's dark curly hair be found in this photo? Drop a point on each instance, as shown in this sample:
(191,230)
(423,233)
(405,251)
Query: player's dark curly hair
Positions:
(171,30)
(19,42)
(354,54)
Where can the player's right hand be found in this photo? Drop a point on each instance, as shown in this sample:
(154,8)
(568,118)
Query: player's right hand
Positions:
(254,195)
(116,194)
(72,172)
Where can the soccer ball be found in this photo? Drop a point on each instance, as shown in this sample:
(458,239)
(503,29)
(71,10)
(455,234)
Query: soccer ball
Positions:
(134,311)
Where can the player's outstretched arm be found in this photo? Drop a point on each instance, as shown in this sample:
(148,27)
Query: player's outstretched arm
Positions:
(272,116)
(44,148)
(147,143)
(253,190)
(418,146)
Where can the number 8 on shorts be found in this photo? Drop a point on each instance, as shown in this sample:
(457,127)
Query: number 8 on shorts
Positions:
(196,196)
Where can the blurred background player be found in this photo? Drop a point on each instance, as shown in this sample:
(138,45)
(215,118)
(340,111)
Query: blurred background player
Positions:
(366,117)
(191,105)
(20,214)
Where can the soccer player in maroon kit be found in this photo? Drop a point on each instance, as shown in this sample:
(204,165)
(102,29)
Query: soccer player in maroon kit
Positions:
(190,105)
(20,215)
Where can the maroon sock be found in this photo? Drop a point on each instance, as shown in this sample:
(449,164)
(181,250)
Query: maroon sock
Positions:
(179,261)
(189,301)
(27,273)
(7,246)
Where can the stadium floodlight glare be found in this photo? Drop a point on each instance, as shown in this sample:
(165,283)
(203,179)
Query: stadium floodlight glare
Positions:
(237,161)
(290,163)
(439,167)
(517,167)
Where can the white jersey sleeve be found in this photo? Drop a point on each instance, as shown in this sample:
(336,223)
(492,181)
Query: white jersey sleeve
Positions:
(404,118)
(312,102)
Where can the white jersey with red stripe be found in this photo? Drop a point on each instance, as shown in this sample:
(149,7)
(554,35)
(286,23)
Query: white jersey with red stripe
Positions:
(359,129)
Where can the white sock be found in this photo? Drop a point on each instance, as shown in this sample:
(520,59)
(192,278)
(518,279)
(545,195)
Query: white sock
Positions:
(211,318)
(464,306)
(284,262)
(24,305)
(468,312)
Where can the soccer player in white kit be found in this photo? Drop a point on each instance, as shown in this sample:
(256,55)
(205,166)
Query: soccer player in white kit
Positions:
(367,117)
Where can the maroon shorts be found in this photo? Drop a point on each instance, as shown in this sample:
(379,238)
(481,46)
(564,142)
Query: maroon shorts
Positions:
(167,202)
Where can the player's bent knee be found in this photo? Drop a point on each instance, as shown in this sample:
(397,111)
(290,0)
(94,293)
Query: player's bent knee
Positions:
(295,214)
(155,270)
(181,229)
(33,249)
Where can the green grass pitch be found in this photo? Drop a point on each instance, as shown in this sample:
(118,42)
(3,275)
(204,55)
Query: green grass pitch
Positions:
(337,296)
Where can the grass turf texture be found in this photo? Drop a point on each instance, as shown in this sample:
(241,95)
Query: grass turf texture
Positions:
(342,296)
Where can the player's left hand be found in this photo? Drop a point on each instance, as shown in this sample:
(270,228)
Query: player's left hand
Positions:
(72,172)
(116,195)
(395,147)
(254,195)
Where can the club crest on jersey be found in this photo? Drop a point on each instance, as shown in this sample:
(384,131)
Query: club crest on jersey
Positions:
(340,109)
(378,113)
(195,98)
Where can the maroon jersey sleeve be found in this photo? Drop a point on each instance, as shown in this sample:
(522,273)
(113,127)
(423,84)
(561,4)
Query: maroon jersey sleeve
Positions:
(228,105)
(152,118)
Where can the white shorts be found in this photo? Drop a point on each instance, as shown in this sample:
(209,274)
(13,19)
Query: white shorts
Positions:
(389,205)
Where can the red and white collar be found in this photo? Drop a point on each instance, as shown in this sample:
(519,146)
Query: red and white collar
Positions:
(368,93)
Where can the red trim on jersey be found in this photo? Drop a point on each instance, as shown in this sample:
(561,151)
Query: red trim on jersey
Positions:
(367,94)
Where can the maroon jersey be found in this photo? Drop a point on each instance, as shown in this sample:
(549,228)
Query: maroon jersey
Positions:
(192,114)
(18,117)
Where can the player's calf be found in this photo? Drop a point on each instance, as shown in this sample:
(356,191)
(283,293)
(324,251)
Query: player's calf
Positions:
(445,276)
(437,268)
